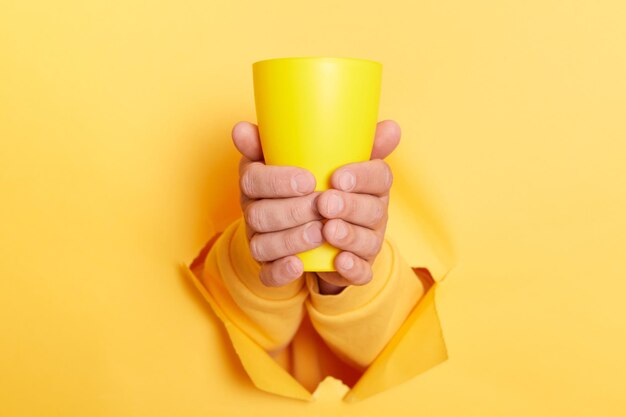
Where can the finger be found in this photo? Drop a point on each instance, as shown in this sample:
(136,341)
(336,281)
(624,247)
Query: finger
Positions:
(281,272)
(327,287)
(370,177)
(244,163)
(361,209)
(274,245)
(244,202)
(246,138)
(329,282)
(272,181)
(386,139)
(271,215)
(361,241)
(351,270)
(355,270)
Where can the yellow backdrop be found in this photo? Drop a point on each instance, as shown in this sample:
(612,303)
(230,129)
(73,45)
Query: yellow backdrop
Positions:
(116,164)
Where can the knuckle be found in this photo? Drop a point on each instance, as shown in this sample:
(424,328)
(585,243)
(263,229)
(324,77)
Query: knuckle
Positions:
(259,219)
(246,183)
(369,246)
(387,174)
(251,214)
(378,213)
(295,213)
(275,185)
(291,242)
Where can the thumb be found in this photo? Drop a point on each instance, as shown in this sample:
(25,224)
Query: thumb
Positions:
(245,136)
(386,140)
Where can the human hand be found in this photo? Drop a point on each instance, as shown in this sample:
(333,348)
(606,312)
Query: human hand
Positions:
(279,209)
(283,215)
(356,207)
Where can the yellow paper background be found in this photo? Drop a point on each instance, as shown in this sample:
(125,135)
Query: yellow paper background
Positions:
(116,164)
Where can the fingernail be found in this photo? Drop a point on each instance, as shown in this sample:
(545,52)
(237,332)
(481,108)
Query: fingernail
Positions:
(347,181)
(348,262)
(341,230)
(313,234)
(334,204)
(301,183)
(292,268)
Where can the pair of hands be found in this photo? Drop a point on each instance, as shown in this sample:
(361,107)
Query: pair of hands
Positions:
(284,215)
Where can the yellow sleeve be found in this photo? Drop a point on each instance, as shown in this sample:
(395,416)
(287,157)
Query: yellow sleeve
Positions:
(358,322)
(269,316)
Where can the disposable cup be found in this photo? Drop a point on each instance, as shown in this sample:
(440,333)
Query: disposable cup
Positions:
(318,113)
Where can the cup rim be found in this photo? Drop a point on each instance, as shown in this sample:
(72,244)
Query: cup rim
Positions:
(318,58)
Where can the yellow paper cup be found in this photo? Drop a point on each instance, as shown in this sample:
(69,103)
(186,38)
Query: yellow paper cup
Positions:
(318,113)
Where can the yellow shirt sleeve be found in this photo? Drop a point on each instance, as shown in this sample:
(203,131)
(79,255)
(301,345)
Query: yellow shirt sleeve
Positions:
(358,322)
(270,316)
(291,337)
